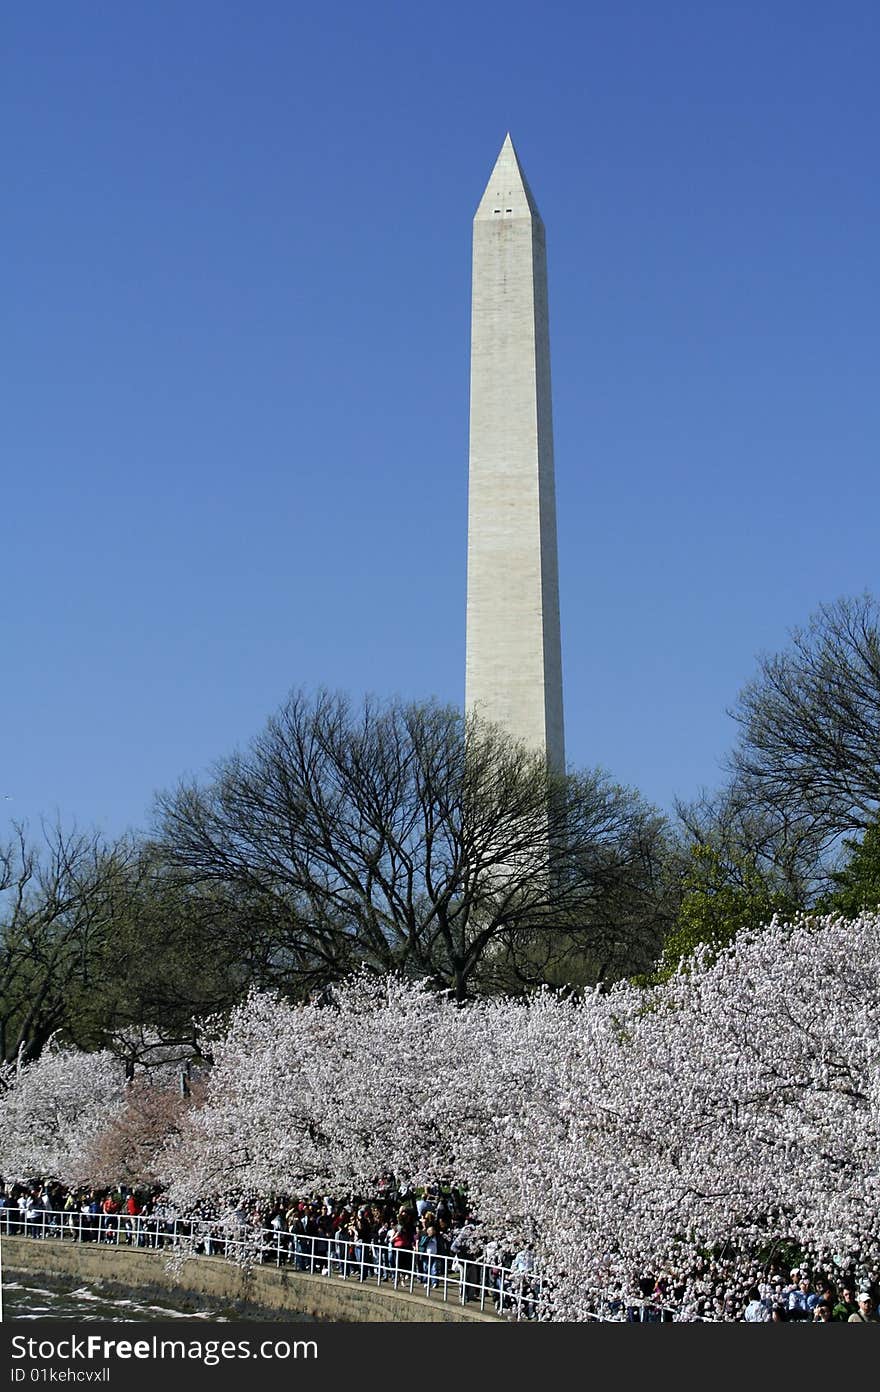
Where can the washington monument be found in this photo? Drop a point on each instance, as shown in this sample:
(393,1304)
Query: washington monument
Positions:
(514,660)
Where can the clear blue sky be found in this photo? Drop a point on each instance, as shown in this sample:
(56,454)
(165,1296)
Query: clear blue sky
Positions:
(236,256)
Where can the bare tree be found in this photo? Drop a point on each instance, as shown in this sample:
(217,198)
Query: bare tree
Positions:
(57,904)
(754,840)
(177,952)
(809,750)
(401,837)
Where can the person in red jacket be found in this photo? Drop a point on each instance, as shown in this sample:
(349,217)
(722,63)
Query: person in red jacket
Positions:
(403,1241)
(109,1209)
(131,1209)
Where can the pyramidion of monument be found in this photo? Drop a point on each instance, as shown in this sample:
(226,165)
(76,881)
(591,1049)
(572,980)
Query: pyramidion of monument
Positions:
(514,658)
(507,192)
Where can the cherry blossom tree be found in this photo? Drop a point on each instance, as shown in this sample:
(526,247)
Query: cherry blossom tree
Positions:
(334,1093)
(52,1110)
(127,1147)
(686,1130)
(733,1108)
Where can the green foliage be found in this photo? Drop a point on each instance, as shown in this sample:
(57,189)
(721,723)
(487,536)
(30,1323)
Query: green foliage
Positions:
(858,881)
(721,894)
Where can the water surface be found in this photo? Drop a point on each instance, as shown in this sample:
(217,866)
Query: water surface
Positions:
(82,1302)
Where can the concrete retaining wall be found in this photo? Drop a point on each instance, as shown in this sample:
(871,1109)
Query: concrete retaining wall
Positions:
(132,1271)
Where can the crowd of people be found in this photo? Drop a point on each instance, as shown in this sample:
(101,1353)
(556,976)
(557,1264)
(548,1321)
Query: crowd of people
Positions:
(717,1291)
(426,1237)
(420,1238)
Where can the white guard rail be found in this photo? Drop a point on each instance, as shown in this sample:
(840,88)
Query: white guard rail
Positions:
(514,1294)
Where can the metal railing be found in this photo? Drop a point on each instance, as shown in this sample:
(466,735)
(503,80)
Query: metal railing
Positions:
(507,1291)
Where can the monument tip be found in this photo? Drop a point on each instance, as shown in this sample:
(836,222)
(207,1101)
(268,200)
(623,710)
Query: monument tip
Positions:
(507,193)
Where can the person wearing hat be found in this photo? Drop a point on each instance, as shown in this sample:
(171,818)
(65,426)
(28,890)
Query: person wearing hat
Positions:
(865,1314)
